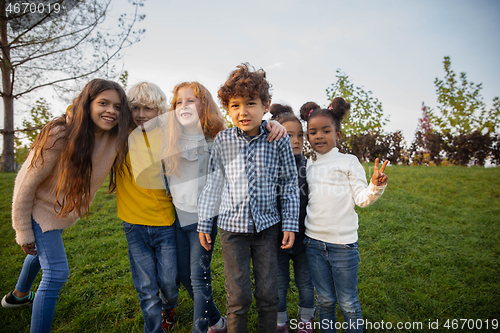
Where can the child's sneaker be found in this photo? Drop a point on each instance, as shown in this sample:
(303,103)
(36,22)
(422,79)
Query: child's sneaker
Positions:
(10,301)
(167,319)
(306,327)
(282,329)
(223,329)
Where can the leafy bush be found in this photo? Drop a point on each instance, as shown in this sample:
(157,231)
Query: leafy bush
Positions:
(474,148)
(369,146)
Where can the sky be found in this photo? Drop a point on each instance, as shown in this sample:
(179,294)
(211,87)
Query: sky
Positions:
(393,48)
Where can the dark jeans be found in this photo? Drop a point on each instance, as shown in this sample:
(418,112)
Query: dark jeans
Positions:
(237,250)
(302,281)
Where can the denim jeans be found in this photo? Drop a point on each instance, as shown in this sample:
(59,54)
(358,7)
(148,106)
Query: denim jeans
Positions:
(153,264)
(334,271)
(51,258)
(302,281)
(31,267)
(237,250)
(196,276)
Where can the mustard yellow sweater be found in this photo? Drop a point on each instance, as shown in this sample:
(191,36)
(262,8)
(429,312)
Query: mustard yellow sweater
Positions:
(137,205)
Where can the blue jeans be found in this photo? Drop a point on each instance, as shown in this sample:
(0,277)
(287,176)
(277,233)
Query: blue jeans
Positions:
(334,271)
(31,267)
(195,274)
(302,281)
(153,264)
(51,258)
(237,251)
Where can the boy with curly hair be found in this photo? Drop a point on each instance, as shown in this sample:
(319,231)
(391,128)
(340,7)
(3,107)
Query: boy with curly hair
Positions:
(242,190)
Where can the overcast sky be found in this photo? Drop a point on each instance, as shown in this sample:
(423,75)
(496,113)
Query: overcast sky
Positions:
(393,48)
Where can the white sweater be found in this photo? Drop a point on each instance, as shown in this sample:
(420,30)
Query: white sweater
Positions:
(336,183)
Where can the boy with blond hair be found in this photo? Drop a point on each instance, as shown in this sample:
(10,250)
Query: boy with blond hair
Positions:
(148,213)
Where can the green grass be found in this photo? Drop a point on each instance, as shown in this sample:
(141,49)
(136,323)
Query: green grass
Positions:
(429,251)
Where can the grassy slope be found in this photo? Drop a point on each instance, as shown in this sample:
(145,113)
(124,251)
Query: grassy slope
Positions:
(429,250)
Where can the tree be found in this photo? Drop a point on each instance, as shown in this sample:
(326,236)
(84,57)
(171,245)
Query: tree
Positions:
(39,116)
(461,106)
(428,143)
(366,110)
(424,123)
(56,43)
(227,118)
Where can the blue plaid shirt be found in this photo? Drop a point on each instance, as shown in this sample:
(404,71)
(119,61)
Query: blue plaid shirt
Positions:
(243,187)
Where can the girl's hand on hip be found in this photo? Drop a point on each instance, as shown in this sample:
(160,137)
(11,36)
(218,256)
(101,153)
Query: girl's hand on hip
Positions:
(379,178)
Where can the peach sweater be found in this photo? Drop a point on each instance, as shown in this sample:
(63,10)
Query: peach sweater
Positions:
(34,188)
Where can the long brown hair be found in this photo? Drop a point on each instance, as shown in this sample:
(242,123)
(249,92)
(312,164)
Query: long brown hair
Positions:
(211,120)
(76,128)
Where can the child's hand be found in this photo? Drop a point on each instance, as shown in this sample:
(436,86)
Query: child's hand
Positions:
(29,248)
(277,130)
(205,240)
(379,178)
(288,239)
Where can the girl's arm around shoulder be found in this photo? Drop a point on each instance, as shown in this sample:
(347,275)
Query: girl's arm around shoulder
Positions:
(276,130)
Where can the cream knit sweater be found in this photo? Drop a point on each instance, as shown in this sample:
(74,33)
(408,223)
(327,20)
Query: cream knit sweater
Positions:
(337,182)
(34,188)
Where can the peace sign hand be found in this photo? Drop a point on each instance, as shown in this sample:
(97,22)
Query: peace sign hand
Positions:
(379,178)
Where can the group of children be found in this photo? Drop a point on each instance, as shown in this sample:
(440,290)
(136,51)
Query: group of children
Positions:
(249,182)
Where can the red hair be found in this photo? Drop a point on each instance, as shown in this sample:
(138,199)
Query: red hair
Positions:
(211,120)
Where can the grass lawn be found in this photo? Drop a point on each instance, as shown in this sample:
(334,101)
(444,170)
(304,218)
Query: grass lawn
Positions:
(429,254)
